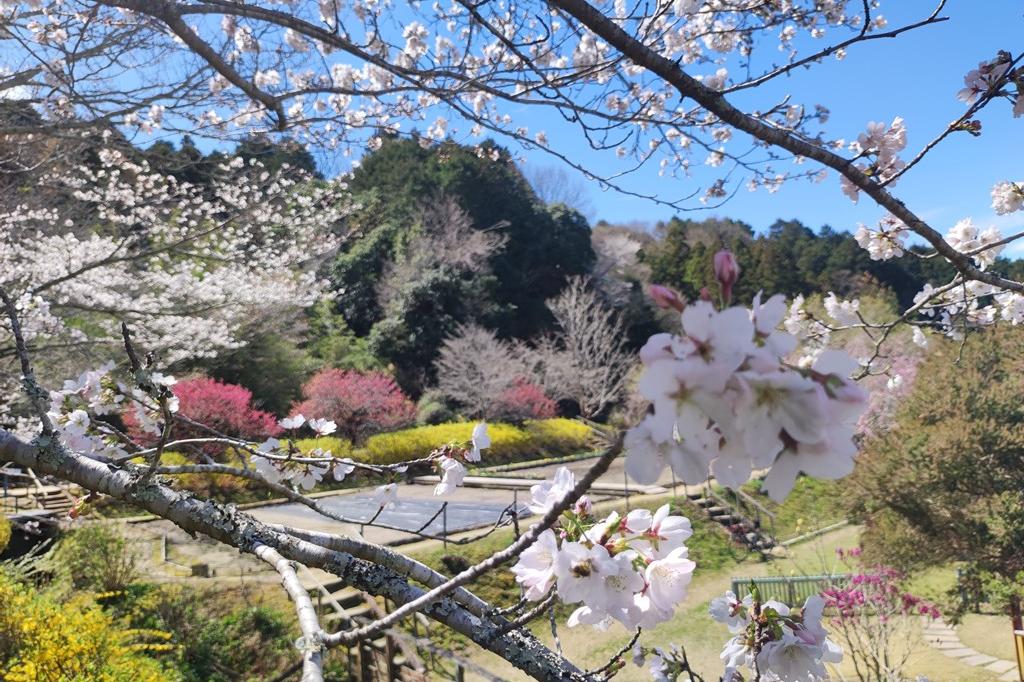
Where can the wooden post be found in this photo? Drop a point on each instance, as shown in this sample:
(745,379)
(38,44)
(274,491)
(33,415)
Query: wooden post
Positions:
(1018,640)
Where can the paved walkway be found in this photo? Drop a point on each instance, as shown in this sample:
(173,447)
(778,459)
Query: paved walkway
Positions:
(944,638)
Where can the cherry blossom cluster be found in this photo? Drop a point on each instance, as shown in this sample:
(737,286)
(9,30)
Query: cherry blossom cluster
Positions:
(951,310)
(880,145)
(342,74)
(771,639)
(189,264)
(726,400)
(1008,197)
(633,569)
(993,78)
(75,408)
(887,241)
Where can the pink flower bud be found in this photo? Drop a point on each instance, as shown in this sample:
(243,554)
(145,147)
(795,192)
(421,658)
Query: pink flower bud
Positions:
(727,271)
(583,506)
(665,297)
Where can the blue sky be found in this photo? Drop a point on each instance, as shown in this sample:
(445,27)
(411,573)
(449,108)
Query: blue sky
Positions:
(917,76)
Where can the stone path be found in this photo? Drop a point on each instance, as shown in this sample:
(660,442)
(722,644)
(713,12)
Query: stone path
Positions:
(944,638)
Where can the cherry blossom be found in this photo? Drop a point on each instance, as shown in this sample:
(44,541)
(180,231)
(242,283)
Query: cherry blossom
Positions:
(452,477)
(322,427)
(342,468)
(843,312)
(1008,197)
(535,570)
(786,646)
(979,81)
(547,494)
(726,402)
(888,241)
(293,422)
(481,441)
(384,496)
(981,244)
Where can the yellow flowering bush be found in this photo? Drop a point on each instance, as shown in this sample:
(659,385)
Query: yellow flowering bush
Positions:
(535,439)
(558,436)
(338,447)
(5,532)
(43,641)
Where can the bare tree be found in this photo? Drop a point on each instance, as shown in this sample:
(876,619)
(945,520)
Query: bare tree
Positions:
(475,367)
(556,185)
(586,361)
(446,238)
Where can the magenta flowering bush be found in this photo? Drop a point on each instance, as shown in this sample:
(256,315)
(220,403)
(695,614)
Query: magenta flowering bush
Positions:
(876,617)
(224,407)
(360,403)
(524,400)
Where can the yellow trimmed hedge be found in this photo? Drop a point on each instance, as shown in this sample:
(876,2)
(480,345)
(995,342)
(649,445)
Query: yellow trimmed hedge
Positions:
(532,440)
(5,532)
(338,447)
(43,641)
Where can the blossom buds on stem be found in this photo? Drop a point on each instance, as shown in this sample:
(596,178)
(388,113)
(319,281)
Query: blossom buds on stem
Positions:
(727,271)
(666,298)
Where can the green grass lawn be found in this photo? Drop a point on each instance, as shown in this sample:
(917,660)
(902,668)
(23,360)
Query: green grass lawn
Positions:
(989,634)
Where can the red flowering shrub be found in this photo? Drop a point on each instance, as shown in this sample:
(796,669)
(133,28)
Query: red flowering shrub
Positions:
(872,613)
(521,401)
(225,407)
(360,403)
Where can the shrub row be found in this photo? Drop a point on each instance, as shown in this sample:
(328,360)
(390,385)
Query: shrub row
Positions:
(541,438)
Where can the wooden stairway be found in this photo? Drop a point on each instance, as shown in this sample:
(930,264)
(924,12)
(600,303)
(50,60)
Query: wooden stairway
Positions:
(25,491)
(740,515)
(383,659)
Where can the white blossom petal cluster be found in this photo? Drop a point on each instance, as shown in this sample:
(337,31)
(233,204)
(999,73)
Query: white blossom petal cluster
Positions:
(783,645)
(725,401)
(75,408)
(632,569)
(341,74)
(981,244)
(978,81)
(881,143)
(188,267)
(1008,197)
(885,242)
(842,311)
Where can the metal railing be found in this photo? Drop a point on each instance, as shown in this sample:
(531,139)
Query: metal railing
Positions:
(791,590)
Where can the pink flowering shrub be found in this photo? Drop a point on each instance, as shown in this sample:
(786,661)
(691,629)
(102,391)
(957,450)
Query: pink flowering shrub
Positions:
(361,403)
(226,408)
(521,401)
(875,616)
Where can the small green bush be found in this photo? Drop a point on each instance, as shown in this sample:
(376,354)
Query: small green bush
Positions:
(95,557)
(432,409)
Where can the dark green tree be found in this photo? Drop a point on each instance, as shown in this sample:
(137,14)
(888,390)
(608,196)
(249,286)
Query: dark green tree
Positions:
(947,479)
(541,247)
